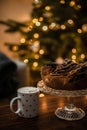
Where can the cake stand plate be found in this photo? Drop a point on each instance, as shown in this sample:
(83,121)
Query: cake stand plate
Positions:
(68,112)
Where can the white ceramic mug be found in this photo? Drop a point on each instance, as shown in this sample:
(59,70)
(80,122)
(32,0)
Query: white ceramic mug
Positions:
(28,102)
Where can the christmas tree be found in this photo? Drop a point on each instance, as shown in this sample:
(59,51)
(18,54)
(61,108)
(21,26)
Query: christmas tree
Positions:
(58,28)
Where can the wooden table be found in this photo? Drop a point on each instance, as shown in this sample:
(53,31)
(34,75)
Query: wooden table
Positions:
(46,119)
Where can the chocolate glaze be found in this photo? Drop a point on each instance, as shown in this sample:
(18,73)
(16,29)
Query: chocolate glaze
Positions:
(66,76)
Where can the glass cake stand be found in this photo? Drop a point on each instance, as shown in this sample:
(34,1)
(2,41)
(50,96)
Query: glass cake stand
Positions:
(68,112)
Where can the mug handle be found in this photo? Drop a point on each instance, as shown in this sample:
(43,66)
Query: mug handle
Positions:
(11,105)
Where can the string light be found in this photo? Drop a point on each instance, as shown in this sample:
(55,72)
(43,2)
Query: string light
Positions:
(62,1)
(63,27)
(26,60)
(35,20)
(35,64)
(37,3)
(22,40)
(26,29)
(44,28)
(41,51)
(41,95)
(47,14)
(52,25)
(82,56)
(70,21)
(30,42)
(35,46)
(36,56)
(36,35)
(29,28)
(79,30)
(73,50)
(47,8)
(79,6)
(72,3)
(74,57)
(15,48)
(37,24)
(41,19)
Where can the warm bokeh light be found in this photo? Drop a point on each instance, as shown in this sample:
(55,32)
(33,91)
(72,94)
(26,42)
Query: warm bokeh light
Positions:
(73,50)
(36,56)
(41,19)
(47,8)
(72,3)
(63,27)
(36,35)
(62,1)
(41,95)
(70,21)
(44,28)
(37,24)
(22,40)
(35,64)
(41,51)
(35,20)
(15,48)
(26,60)
(74,57)
(79,30)
(82,56)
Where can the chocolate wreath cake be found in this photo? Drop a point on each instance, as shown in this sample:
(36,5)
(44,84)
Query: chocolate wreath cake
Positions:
(66,76)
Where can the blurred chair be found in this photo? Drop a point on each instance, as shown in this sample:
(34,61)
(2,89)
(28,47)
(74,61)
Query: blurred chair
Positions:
(13,74)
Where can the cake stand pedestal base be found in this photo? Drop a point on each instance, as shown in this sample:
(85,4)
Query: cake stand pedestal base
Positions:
(70,112)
